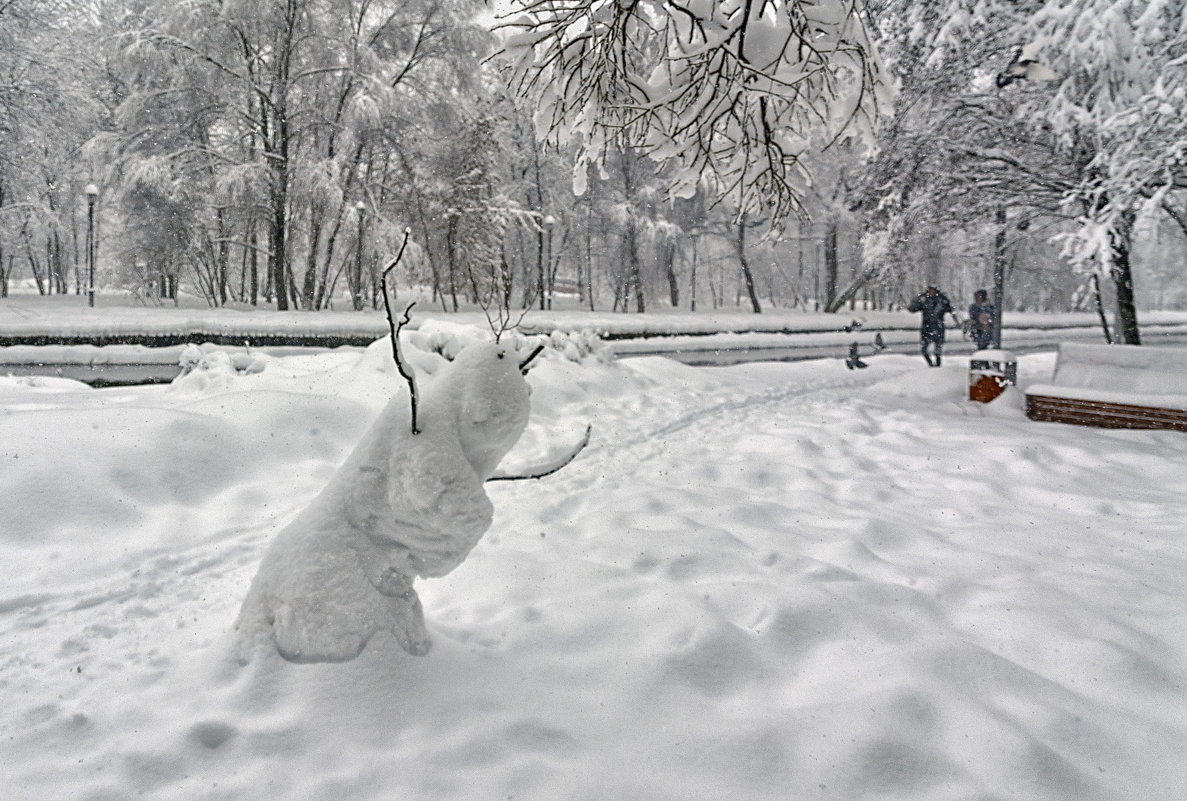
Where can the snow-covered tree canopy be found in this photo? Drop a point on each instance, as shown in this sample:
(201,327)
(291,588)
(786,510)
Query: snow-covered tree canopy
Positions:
(735,91)
(1122,101)
(1089,139)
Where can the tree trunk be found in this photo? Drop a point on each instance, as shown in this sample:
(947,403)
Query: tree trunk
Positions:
(276,236)
(223,265)
(253,263)
(451,254)
(309,282)
(277,155)
(669,259)
(830,264)
(539,207)
(636,272)
(999,274)
(33,264)
(1100,308)
(1120,243)
(589,257)
(746,273)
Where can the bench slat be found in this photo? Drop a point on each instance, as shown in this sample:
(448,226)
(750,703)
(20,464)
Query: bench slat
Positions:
(1103,415)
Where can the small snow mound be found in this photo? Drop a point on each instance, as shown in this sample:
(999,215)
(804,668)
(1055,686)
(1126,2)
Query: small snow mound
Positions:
(445,338)
(577,346)
(423,361)
(40,383)
(207,367)
(1010,404)
(926,383)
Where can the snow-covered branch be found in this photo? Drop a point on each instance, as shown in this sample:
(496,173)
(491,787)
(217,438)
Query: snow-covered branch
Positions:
(733,92)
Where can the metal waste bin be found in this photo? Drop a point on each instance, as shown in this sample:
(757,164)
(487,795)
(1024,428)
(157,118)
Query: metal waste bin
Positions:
(990,371)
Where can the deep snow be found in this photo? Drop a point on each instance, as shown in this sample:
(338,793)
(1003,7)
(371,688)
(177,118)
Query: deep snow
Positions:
(770,581)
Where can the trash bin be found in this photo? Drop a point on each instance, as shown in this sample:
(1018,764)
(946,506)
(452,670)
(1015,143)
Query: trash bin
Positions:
(990,371)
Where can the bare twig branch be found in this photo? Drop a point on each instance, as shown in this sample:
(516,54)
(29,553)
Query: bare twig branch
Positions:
(523,366)
(395,327)
(547,469)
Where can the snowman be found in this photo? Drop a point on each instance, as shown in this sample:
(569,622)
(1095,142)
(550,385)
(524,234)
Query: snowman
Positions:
(407,503)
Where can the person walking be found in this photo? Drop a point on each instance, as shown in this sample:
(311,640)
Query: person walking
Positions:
(934,304)
(981,314)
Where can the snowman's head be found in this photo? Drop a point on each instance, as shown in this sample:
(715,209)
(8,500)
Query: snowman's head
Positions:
(488,396)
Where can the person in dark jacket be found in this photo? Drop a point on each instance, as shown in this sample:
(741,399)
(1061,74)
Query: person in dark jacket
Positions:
(934,304)
(981,314)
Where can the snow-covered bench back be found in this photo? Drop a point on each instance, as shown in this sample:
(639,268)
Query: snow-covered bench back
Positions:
(1117,386)
(1122,368)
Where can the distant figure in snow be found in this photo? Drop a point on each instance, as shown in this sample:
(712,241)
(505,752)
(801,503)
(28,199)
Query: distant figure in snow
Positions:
(934,304)
(981,314)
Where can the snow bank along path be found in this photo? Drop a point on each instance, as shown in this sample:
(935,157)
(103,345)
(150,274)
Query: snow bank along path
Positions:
(760,582)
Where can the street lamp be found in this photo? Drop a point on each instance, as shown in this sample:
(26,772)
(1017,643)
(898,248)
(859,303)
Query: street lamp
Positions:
(92,192)
(359,207)
(549,221)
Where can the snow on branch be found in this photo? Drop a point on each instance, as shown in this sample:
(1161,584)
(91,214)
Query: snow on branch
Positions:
(737,94)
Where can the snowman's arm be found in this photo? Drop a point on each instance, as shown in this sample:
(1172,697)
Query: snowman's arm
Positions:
(548,467)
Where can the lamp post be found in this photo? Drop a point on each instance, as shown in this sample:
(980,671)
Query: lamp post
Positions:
(92,192)
(359,207)
(549,221)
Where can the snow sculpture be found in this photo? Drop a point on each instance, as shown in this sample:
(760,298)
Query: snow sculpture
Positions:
(403,505)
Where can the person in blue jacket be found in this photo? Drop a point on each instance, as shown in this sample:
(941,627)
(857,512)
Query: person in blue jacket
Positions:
(981,313)
(934,304)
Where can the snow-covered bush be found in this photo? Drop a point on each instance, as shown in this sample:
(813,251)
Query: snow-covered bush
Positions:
(208,366)
(576,346)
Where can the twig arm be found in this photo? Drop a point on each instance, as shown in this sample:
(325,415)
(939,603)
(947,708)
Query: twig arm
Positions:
(395,329)
(549,468)
(523,366)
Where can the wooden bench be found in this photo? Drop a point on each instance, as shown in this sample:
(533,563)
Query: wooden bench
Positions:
(1114,386)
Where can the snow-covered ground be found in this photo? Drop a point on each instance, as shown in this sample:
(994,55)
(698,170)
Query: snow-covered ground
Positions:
(770,581)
